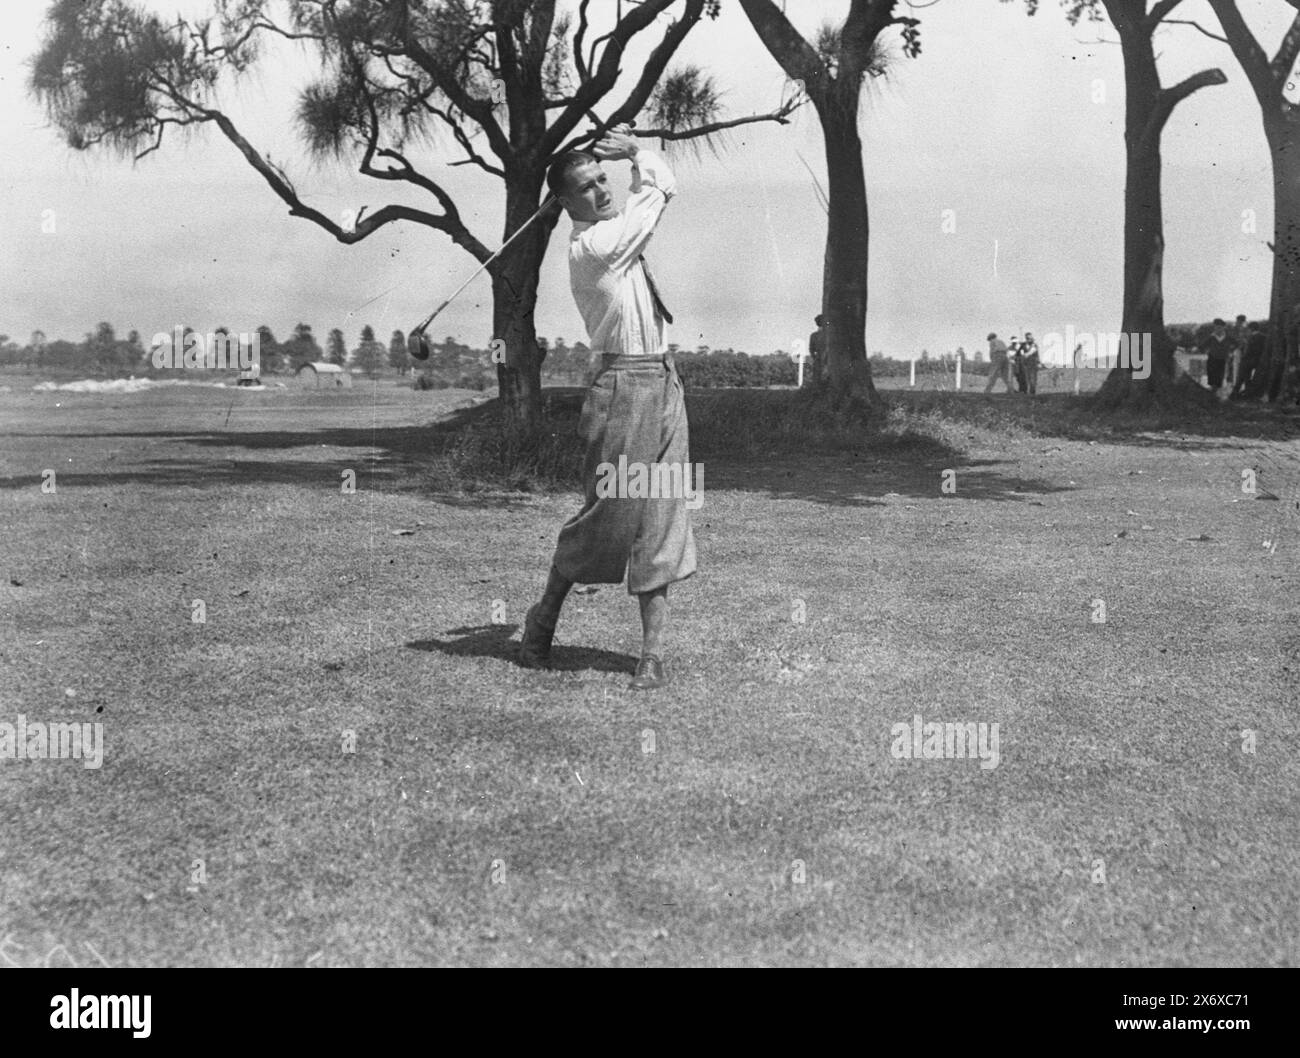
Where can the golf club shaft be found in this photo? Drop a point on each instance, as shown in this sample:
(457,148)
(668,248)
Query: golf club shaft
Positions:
(434,314)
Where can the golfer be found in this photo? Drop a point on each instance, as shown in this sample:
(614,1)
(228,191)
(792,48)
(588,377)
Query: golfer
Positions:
(634,408)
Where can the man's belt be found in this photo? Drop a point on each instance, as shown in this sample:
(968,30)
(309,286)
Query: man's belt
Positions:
(623,362)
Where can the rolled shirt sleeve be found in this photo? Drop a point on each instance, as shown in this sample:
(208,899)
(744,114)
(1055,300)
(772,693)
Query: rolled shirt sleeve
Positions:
(620,240)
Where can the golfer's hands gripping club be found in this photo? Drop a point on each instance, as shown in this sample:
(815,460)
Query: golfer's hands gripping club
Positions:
(617,143)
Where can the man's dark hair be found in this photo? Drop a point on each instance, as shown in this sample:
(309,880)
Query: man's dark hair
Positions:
(1252,326)
(1218,322)
(1241,317)
(820,320)
(558,173)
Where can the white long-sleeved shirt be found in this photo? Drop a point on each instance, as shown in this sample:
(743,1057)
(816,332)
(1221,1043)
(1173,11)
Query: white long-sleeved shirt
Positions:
(605,271)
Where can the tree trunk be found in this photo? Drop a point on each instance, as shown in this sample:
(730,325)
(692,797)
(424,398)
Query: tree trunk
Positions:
(1147,109)
(835,96)
(1283,133)
(844,276)
(1282,130)
(515,277)
(1144,252)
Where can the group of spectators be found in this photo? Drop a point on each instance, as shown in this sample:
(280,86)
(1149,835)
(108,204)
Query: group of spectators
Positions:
(1018,360)
(1233,355)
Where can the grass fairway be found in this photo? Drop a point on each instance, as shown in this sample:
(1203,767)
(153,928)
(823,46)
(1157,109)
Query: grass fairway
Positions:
(751,813)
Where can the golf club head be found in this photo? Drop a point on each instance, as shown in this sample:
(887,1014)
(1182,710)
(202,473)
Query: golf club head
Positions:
(417,344)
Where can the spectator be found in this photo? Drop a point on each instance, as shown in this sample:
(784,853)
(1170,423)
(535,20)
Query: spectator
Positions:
(1251,359)
(998,367)
(1018,363)
(817,350)
(1239,338)
(1217,348)
(1031,362)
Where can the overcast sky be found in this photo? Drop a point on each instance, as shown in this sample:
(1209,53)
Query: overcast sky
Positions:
(995,121)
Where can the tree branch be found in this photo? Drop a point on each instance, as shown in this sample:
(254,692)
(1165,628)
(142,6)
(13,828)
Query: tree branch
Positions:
(509,63)
(1197,26)
(1287,51)
(657,63)
(162,124)
(797,57)
(479,110)
(473,157)
(867,19)
(279,182)
(596,87)
(1251,57)
(287,34)
(1171,97)
(579,63)
(781,116)
(1159,13)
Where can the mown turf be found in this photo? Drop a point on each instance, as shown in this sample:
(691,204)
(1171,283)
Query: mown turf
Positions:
(491,815)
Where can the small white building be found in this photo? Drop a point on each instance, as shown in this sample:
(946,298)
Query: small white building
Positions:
(321,375)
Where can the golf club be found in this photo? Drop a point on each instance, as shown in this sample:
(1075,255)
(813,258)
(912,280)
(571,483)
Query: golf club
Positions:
(417,344)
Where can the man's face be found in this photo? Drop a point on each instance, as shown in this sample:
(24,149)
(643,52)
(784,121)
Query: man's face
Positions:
(1220,331)
(588,197)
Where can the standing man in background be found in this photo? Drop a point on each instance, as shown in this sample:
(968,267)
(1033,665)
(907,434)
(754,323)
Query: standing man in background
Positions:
(1217,348)
(1240,337)
(634,411)
(997,363)
(1029,350)
(1018,363)
(1251,359)
(817,350)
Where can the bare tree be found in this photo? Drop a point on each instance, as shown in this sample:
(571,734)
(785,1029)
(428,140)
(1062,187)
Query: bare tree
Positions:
(831,71)
(509,82)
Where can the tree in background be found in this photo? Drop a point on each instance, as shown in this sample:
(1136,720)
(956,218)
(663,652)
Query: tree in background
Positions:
(1147,109)
(302,348)
(336,349)
(135,353)
(61,355)
(103,352)
(831,72)
(370,354)
(270,355)
(97,347)
(580,357)
(397,355)
(1268,80)
(450,352)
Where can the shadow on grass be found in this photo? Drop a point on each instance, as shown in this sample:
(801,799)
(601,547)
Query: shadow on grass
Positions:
(855,485)
(779,443)
(499,642)
(1065,416)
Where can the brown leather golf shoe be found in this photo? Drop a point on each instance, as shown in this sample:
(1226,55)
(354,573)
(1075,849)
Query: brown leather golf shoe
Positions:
(535,646)
(649,674)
